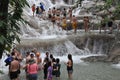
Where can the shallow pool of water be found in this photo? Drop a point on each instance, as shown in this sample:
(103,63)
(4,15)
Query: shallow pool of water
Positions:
(84,71)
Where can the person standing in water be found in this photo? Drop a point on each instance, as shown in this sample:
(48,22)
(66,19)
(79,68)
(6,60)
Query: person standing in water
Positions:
(49,14)
(64,23)
(33,9)
(53,20)
(58,65)
(58,20)
(32,69)
(70,13)
(14,69)
(50,69)
(86,23)
(69,65)
(74,23)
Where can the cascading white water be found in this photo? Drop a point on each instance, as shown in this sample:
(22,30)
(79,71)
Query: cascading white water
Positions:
(76,11)
(43,29)
(71,48)
(97,47)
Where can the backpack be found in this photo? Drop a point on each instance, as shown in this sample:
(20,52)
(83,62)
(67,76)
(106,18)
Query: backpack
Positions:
(8,60)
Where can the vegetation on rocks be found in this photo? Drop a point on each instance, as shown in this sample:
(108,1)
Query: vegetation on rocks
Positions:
(10,17)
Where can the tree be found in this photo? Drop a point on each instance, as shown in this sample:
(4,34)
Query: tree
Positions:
(10,16)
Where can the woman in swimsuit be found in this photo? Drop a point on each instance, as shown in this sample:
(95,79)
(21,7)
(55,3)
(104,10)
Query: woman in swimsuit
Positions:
(69,65)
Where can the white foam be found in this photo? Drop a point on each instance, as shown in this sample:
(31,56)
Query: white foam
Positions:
(116,66)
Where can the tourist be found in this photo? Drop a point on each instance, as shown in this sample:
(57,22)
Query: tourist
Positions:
(110,25)
(42,7)
(32,56)
(64,12)
(32,69)
(37,58)
(58,20)
(49,14)
(74,23)
(33,9)
(40,12)
(86,23)
(37,11)
(64,23)
(58,12)
(47,56)
(54,67)
(18,55)
(53,20)
(45,67)
(27,62)
(50,69)
(54,11)
(44,15)
(51,57)
(8,60)
(70,13)
(69,66)
(14,69)
(27,57)
(58,69)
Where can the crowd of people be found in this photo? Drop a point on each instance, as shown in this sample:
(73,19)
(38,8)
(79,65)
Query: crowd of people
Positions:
(34,65)
(57,16)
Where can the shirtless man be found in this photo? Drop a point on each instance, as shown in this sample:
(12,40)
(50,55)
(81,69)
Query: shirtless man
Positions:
(74,23)
(49,13)
(70,13)
(86,23)
(58,12)
(18,55)
(53,20)
(14,69)
(64,23)
(54,11)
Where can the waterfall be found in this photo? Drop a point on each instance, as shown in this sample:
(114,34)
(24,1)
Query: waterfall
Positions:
(76,11)
(100,47)
(70,2)
(41,32)
(86,49)
(71,48)
(97,47)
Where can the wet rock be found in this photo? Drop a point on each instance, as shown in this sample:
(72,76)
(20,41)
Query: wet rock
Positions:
(95,59)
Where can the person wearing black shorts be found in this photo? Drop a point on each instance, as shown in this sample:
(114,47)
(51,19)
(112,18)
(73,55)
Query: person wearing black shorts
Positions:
(110,24)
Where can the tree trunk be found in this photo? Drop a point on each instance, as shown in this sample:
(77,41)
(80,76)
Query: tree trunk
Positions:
(3,18)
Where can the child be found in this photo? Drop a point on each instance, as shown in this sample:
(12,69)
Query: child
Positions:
(49,75)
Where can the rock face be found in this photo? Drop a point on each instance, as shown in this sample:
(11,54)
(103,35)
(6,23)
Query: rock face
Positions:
(94,42)
(113,53)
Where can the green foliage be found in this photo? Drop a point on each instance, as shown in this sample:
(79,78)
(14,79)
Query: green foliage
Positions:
(1,72)
(9,26)
(112,4)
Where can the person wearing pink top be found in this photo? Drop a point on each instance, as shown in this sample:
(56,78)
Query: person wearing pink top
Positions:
(32,69)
